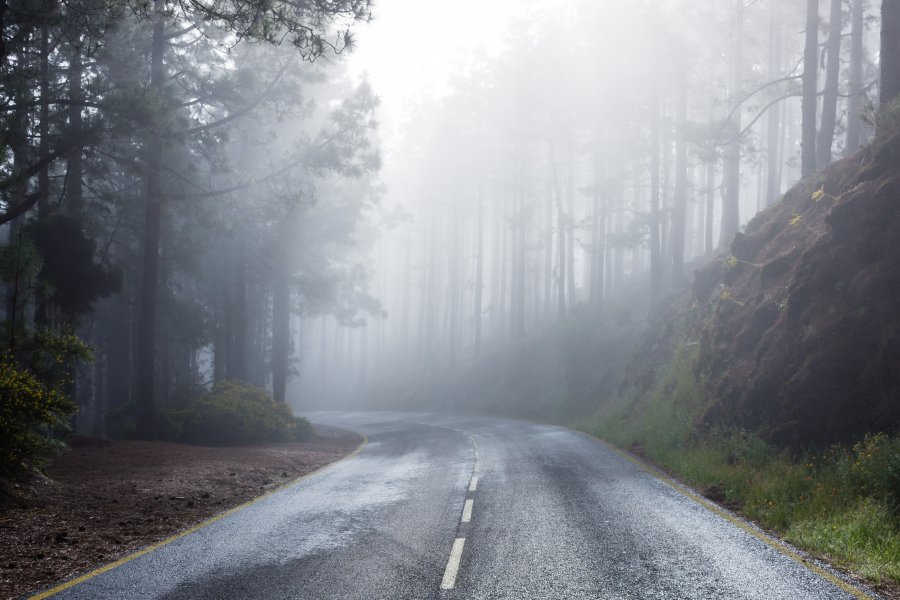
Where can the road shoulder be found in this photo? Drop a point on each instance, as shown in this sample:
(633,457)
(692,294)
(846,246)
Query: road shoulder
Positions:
(107,499)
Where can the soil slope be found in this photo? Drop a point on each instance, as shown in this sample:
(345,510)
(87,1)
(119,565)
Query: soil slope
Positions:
(801,341)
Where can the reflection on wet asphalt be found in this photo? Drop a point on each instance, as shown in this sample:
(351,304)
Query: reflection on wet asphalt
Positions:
(555,514)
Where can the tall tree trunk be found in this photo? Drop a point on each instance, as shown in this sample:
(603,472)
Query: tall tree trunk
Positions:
(239,317)
(829,99)
(597,223)
(220,335)
(656,271)
(281,318)
(453,291)
(548,260)
(407,298)
(145,392)
(74,182)
(890,50)
(479,272)
(773,117)
(810,76)
(731,216)
(43,191)
(679,208)
(560,241)
(517,266)
(854,102)
(503,266)
(44,123)
(708,247)
(363,356)
(570,225)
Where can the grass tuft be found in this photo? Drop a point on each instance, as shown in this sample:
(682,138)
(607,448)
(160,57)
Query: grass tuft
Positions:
(842,503)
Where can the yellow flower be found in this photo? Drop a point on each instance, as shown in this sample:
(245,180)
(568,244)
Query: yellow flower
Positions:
(819,194)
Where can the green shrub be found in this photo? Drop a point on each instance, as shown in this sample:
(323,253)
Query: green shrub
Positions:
(876,468)
(235,413)
(30,411)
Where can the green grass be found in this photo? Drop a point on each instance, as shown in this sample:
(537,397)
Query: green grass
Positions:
(842,504)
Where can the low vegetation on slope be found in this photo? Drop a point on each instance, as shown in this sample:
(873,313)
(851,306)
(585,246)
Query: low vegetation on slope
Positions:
(841,502)
(773,386)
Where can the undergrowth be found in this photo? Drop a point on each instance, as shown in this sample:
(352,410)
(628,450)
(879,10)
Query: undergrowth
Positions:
(842,503)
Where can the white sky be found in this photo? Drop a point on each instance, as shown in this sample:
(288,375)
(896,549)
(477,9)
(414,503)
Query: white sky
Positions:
(412,48)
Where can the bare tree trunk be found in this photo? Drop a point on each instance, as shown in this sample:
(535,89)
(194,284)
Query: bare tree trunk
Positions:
(503,265)
(145,391)
(560,240)
(43,191)
(479,272)
(44,122)
(708,247)
(656,272)
(679,208)
(548,259)
(240,317)
(453,291)
(773,117)
(810,76)
(281,317)
(731,217)
(829,99)
(890,50)
(517,258)
(74,183)
(597,223)
(570,225)
(854,102)
(363,355)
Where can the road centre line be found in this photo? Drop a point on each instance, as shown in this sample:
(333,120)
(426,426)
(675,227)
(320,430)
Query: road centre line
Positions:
(467,511)
(474,483)
(452,569)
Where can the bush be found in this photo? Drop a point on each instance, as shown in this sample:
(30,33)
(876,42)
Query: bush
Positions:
(876,468)
(235,413)
(30,411)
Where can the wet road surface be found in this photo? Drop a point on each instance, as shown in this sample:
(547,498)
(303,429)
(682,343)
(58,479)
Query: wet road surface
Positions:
(451,507)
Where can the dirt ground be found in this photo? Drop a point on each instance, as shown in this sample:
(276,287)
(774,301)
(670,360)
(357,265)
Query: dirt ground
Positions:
(104,499)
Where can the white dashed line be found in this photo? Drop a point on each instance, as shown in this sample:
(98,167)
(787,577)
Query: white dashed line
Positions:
(453,564)
(474,483)
(467,511)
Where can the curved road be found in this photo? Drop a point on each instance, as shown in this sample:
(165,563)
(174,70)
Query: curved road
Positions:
(451,507)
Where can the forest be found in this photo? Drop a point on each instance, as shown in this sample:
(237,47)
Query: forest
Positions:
(170,173)
(670,224)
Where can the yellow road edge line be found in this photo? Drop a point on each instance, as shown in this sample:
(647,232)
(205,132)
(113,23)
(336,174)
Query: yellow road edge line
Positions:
(718,510)
(193,529)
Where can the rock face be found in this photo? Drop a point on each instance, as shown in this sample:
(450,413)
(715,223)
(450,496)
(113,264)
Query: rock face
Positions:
(802,340)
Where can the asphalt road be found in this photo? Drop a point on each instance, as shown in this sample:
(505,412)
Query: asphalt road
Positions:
(544,512)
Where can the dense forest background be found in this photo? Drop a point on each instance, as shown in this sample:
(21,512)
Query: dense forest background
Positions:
(194,195)
(173,175)
(566,182)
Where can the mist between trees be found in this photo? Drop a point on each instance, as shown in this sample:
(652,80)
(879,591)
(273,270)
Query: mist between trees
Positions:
(577,173)
(195,189)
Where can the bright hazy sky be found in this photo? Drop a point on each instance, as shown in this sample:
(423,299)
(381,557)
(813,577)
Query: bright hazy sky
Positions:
(412,48)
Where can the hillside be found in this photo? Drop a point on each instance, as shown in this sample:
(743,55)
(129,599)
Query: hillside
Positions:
(801,334)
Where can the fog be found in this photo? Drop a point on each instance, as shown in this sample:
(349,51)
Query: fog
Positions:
(550,162)
(350,203)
